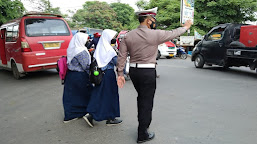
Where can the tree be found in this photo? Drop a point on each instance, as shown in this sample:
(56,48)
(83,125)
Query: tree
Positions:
(208,13)
(97,14)
(133,24)
(46,7)
(124,12)
(168,12)
(10,9)
(141,4)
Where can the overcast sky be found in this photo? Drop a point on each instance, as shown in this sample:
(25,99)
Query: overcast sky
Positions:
(75,4)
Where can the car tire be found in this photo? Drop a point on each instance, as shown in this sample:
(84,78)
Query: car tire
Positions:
(15,71)
(224,64)
(225,67)
(199,61)
(168,57)
(183,56)
(158,55)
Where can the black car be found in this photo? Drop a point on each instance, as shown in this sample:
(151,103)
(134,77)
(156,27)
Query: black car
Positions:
(213,48)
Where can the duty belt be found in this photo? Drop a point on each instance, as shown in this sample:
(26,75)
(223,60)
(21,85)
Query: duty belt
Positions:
(136,65)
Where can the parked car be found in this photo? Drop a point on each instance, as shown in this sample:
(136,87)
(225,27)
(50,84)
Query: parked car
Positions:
(33,42)
(167,49)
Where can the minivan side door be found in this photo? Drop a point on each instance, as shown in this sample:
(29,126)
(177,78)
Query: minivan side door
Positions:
(2,47)
(12,47)
(212,46)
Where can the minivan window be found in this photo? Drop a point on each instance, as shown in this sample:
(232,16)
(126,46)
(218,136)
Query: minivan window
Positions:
(9,34)
(12,33)
(46,27)
(15,32)
(216,35)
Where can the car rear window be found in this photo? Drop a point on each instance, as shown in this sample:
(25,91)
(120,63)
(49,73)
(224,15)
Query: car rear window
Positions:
(46,27)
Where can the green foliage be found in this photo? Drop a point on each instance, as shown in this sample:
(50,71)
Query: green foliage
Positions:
(211,13)
(71,24)
(10,9)
(141,4)
(133,24)
(208,13)
(97,14)
(124,12)
(46,7)
(168,16)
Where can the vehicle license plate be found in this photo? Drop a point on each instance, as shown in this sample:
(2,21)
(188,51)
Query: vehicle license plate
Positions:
(171,55)
(51,45)
(171,47)
(237,52)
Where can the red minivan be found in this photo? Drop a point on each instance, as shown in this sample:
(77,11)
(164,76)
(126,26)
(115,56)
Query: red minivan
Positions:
(33,42)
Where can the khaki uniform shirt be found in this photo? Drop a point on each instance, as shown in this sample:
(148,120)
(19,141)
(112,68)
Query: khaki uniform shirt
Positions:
(142,45)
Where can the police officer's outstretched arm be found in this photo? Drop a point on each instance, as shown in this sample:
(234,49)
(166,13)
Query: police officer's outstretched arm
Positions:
(123,53)
(164,35)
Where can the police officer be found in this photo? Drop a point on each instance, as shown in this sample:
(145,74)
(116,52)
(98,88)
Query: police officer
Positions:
(142,44)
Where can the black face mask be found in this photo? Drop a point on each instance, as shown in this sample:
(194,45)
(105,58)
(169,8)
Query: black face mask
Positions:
(152,25)
(113,41)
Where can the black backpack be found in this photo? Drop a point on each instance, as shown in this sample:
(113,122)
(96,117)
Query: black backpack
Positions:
(95,73)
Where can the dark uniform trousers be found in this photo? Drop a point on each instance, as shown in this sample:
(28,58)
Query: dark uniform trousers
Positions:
(144,81)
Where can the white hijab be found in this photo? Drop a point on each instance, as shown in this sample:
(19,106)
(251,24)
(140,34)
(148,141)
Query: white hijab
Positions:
(104,51)
(77,45)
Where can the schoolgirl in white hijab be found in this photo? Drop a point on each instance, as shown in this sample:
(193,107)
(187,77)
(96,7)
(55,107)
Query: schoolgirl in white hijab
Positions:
(104,51)
(76,94)
(77,45)
(104,101)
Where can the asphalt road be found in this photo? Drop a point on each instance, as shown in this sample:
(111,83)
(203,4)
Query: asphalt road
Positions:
(192,106)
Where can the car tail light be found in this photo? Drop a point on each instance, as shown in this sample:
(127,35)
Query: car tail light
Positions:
(25,46)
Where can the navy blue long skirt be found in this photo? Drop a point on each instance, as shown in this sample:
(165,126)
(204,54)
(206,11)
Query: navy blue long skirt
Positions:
(76,94)
(104,103)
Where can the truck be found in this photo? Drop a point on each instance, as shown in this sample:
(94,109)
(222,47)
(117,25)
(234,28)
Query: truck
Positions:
(227,45)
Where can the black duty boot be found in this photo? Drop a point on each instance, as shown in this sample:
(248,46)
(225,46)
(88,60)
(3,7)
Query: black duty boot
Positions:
(145,139)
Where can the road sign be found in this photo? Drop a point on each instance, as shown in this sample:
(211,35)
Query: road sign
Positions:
(186,10)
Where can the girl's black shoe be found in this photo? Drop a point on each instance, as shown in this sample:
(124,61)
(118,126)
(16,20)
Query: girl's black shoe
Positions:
(113,122)
(89,119)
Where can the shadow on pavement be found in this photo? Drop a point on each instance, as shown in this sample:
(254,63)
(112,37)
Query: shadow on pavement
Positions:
(31,75)
(234,71)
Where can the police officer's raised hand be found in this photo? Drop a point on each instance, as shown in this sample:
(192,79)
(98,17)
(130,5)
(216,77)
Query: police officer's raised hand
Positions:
(187,24)
(121,81)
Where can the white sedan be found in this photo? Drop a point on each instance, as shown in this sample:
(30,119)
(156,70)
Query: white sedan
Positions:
(167,49)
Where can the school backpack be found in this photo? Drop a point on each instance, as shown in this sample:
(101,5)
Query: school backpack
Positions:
(62,68)
(95,73)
